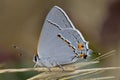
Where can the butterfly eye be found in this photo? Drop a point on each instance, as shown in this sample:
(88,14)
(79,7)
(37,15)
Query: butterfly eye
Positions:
(80,46)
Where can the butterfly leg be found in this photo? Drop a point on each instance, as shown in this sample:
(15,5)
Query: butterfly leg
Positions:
(39,63)
(46,67)
(36,64)
(60,66)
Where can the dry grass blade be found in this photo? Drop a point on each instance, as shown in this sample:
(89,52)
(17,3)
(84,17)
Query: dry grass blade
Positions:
(95,73)
(95,69)
(15,70)
(81,64)
(71,67)
(101,78)
(83,75)
(56,75)
(78,75)
(105,55)
(34,69)
(49,75)
(36,77)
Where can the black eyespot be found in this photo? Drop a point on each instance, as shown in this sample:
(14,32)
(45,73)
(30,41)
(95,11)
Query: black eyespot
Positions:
(82,46)
(36,58)
(85,56)
(58,35)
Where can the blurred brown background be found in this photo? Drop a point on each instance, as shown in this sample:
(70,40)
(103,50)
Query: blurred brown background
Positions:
(21,22)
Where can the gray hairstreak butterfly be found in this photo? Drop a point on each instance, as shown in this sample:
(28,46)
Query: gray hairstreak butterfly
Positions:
(60,42)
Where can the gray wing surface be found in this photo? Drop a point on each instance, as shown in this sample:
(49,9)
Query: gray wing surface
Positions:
(50,45)
(73,37)
(59,17)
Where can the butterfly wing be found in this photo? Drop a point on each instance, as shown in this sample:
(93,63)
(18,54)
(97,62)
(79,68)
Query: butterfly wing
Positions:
(50,45)
(73,38)
(59,17)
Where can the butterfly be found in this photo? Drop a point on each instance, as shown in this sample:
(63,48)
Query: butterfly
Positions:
(60,42)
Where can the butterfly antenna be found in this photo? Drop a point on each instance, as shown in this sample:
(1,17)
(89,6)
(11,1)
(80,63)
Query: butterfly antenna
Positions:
(20,50)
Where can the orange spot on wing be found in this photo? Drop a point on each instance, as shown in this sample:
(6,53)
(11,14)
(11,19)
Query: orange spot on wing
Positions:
(82,55)
(80,46)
